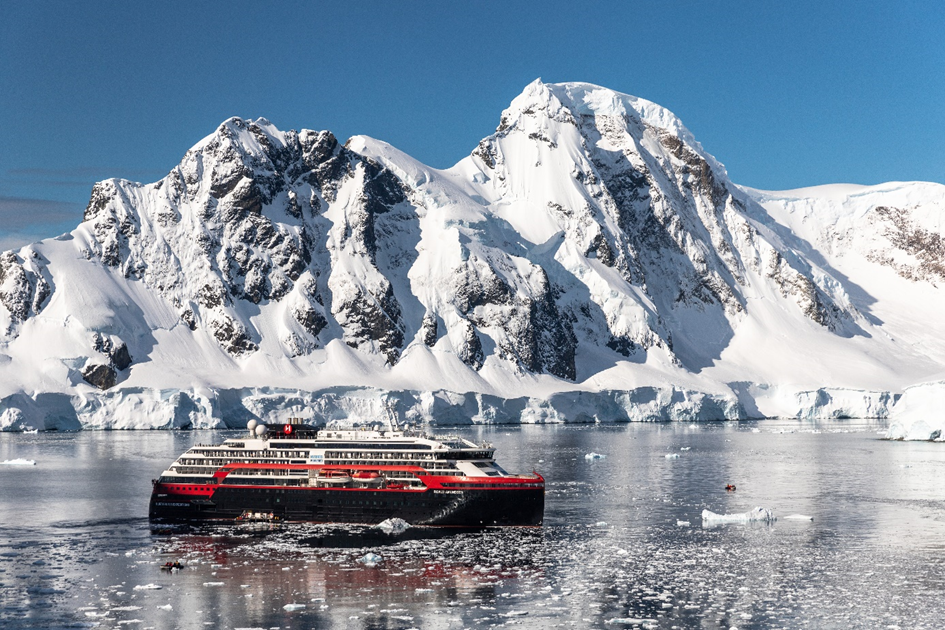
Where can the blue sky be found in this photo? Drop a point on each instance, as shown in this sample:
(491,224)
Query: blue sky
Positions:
(784,94)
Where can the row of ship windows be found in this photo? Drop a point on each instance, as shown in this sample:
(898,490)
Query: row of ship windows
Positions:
(201,464)
(266,458)
(281,454)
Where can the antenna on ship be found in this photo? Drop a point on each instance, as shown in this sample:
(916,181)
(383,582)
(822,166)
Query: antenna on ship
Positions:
(391,416)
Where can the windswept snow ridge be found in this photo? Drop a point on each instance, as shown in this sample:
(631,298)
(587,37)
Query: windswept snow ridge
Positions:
(587,262)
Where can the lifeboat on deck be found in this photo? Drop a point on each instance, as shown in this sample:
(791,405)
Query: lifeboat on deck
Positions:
(334,477)
(368,478)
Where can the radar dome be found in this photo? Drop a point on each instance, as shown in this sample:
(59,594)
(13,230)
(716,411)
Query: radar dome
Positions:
(261,430)
(251,425)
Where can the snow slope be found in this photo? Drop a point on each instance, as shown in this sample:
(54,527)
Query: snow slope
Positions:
(589,261)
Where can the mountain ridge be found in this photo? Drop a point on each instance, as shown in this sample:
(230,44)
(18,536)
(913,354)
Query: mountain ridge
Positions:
(590,244)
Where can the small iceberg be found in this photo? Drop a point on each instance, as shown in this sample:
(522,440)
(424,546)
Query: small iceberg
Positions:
(594,456)
(757,515)
(393,526)
(798,517)
(19,462)
(291,607)
(671,456)
(682,523)
(148,587)
(370,559)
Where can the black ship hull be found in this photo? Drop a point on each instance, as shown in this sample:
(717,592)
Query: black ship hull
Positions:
(446,508)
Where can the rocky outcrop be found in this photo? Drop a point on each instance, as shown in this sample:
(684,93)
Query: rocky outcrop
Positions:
(924,250)
(23,289)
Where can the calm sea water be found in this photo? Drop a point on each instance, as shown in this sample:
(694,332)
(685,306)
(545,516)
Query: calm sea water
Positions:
(615,552)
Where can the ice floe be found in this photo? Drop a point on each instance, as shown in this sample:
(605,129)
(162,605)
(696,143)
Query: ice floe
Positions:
(370,559)
(393,526)
(758,514)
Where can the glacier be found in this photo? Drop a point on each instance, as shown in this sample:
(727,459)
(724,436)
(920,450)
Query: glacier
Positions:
(587,262)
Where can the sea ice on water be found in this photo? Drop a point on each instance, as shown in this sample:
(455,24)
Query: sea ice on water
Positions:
(672,456)
(291,607)
(148,587)
(759,514)
(594,456)
(798,517)
(19,462)
(370,559)
(393,526)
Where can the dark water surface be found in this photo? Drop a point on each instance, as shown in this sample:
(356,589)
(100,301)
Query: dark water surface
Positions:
(615,552)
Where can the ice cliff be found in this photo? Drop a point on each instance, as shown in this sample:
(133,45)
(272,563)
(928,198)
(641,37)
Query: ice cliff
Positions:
(588,261)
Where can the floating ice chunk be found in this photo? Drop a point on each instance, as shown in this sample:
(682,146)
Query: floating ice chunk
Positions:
(631,621)
(19,462)
(514,613)
(594,456)
(682,523)
(671,456)
(393,526)
(165,607)
(213,583)
(685,448)
(148,587)
(759,514)
(799,517)
(370,559)
(291,607)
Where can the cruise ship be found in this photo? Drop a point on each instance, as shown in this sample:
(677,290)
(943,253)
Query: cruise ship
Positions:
(296,472)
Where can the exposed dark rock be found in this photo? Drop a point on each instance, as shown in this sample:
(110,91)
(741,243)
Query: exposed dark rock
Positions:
(232,336)
(100,375)
(115,349)
(698,175)
(211,296)
(486,152)
(928,248)
(428,329)
(371,319)
(623,346)
(310,318)
(23,291)
(102,194)
(816,305)
(188,317)
(470,349)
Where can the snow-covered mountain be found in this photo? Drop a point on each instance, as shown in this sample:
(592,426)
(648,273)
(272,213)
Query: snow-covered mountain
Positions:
(588,261)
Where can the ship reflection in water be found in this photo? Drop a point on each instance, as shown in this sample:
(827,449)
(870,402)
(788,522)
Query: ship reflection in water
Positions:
(353,576)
